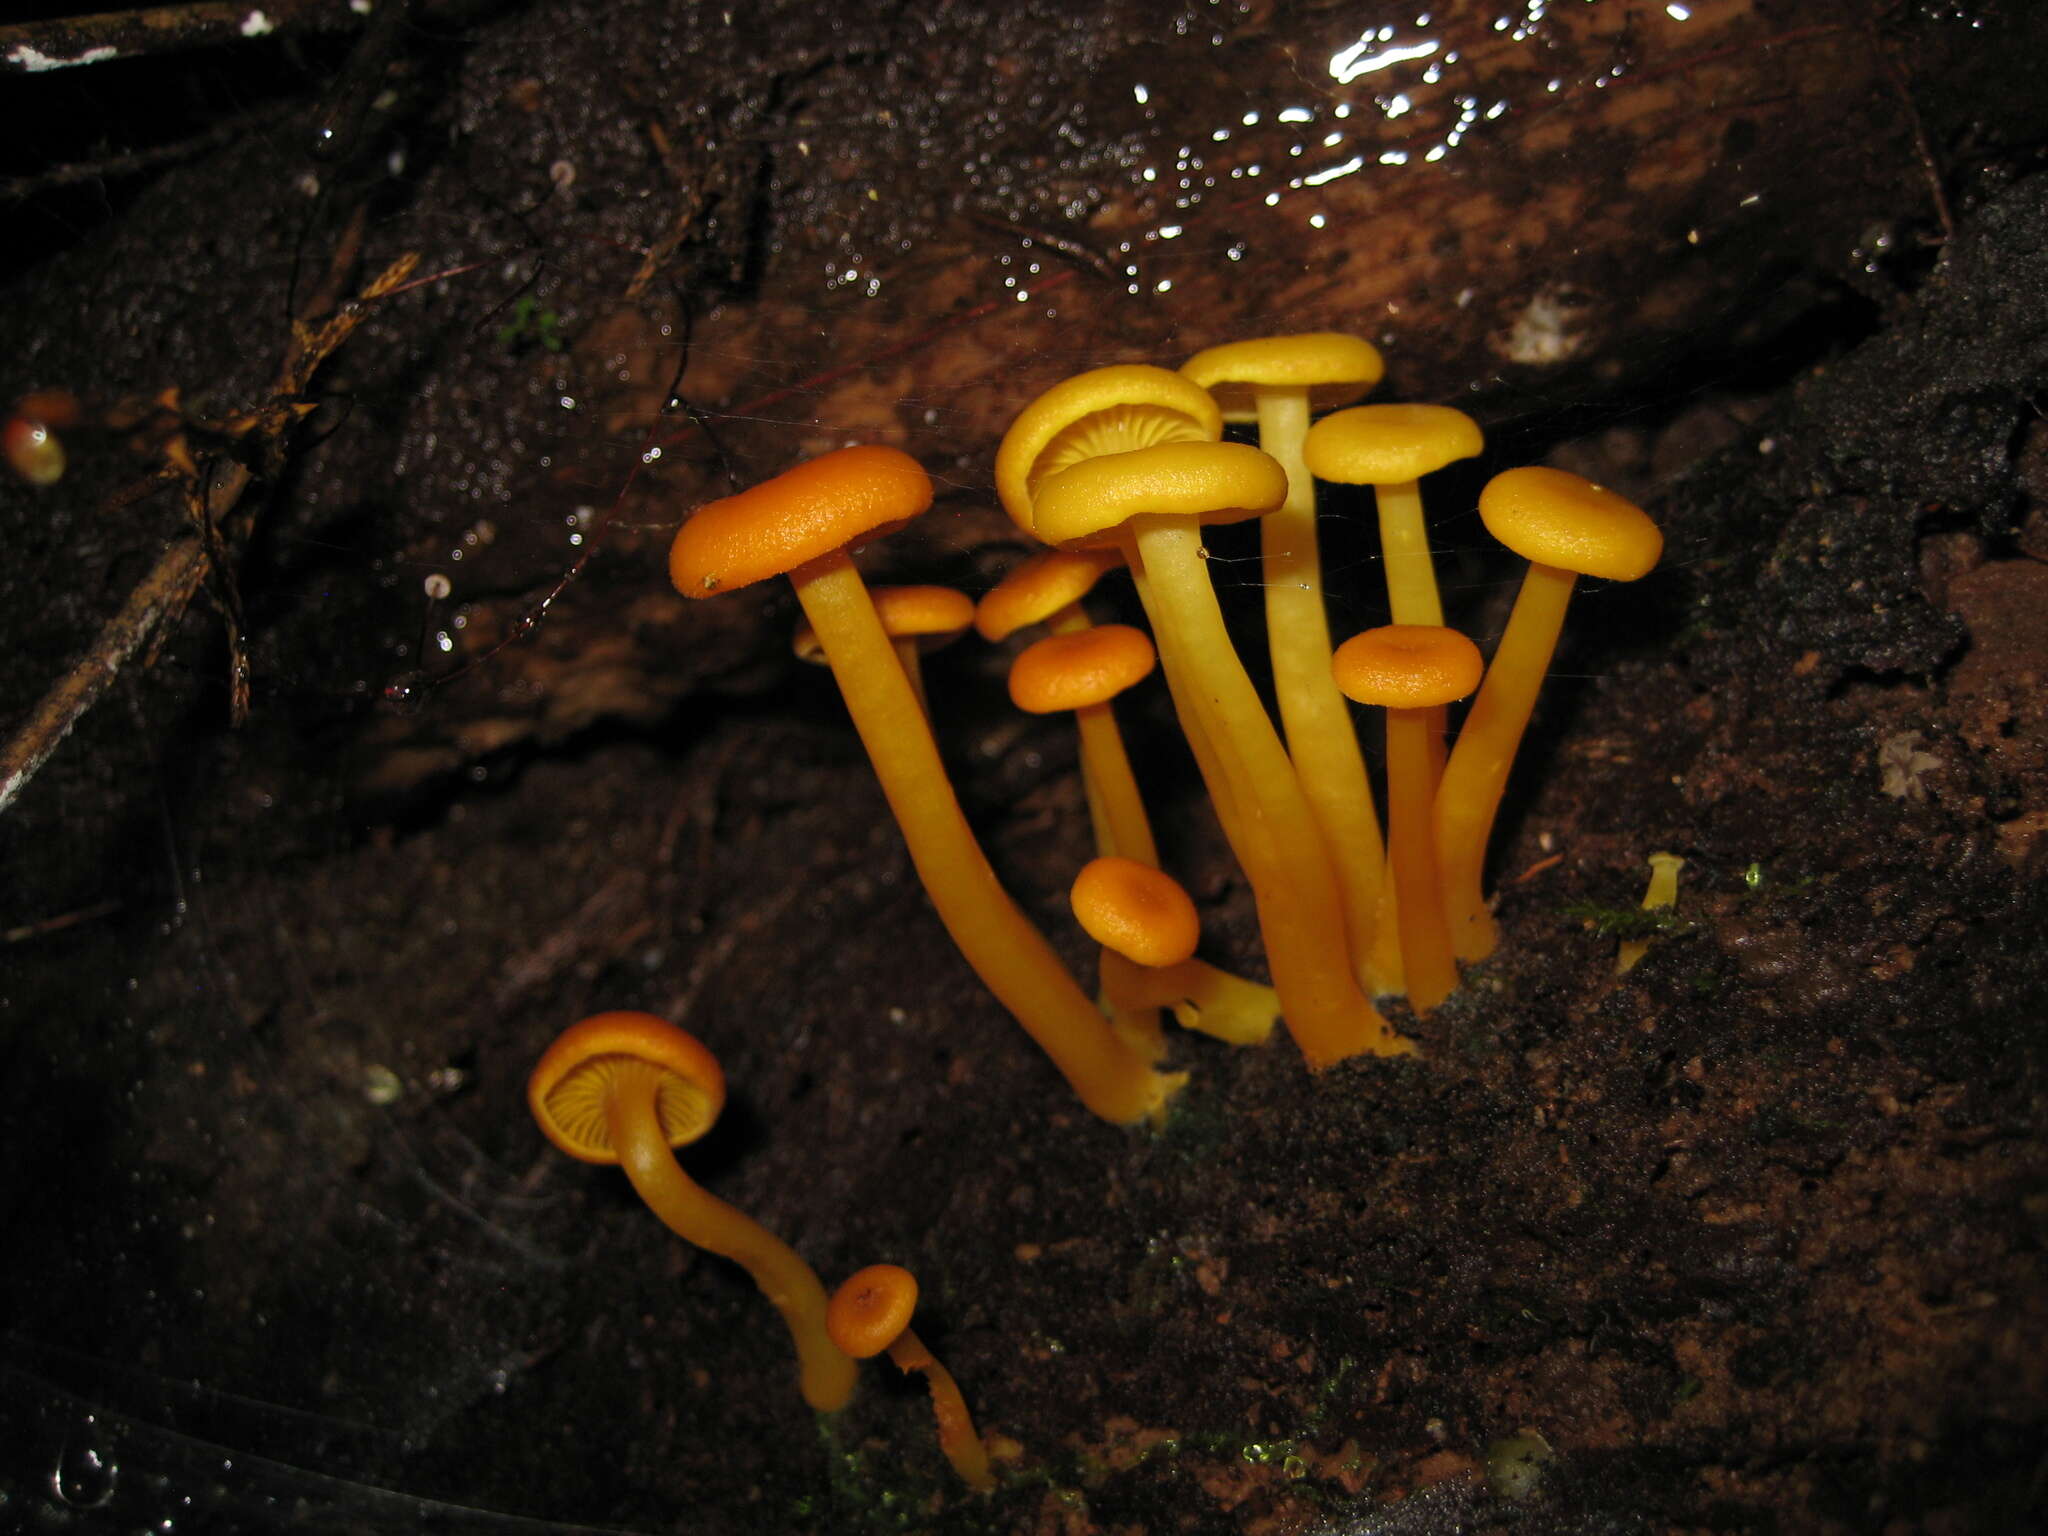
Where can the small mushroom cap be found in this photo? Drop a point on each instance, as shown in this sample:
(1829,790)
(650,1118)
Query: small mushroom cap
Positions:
(935,615)
(1551,517)
(1072,671)
(1389,444)
(1335,369)
(870,1311)
(1407,666)
(1216,482)
(1140,912)
(807,511)
(1040,588)
(1105,410)
(569,1091)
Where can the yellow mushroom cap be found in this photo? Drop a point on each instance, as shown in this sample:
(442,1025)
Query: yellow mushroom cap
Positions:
(820,505)
(1334,368)
(1217,482)
(870,1311)
(1140,912)
(1040,588)
(568,1090)
(1105,410)
(1407,666)
(1072,671)
(1552,517)
(936,615)
(1389,444)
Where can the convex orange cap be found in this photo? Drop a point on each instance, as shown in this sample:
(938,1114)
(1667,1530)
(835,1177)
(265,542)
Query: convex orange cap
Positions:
(1087,666)
(1049,581)
(1407,666)
(819,506)
(1140,912)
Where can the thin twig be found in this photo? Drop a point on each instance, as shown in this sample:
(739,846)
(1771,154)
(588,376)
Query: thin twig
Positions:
(160,599)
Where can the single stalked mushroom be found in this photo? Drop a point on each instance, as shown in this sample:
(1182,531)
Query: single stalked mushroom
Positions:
(870,1313)
(799,524)
(1154,501)
(1412,671)
(625,1088)
(916,619)
(1661,895)
(1565,527)
(1147,926)
(1390,448)
(1279,382)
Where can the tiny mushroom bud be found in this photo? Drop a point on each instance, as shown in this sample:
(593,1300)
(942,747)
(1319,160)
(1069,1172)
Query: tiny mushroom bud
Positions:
(1565,527)
(624,1088)
(1661,894)
(871,1313)
(1412,671)
(798,524)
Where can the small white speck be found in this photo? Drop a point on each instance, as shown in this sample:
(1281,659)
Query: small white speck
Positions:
(256,24)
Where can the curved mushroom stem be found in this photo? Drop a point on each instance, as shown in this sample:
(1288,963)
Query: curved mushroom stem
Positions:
(1276,836)
(1321,736)
(1468,798)
(701,1218)
(998,941)
(913,671)
(957,1438)
(1122,827)
(1202,997)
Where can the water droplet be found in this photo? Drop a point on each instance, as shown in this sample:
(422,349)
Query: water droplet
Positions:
(85,1474)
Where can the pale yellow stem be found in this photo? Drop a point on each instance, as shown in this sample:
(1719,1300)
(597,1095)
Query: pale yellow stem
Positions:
(1202,997)
(699,1217)
(1426,960)
(913,671)
(1322,737)
(1662,893)
(1278,840)
(957,1438)
(1404,548)
(1468,798)
(998,941)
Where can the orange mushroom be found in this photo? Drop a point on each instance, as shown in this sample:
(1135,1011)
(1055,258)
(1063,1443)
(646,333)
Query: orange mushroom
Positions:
(1154,501)
(1565,527)
(798,524)
(870,1313)
(1280,382)
(916,619)
(1147,927)
(1412,671)
(625,1088)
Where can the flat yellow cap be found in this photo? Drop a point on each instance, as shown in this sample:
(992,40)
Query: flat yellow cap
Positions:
(1334,368)
(1216,482)
(810,510)
(1389,444)
(1406,666)
(1552,517)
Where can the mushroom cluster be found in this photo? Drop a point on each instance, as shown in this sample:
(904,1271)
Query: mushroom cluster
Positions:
(1118,471)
